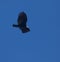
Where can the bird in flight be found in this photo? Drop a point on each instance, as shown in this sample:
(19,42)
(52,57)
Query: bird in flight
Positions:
(22,22)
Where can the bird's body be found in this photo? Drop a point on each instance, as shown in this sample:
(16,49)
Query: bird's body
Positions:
(22,20)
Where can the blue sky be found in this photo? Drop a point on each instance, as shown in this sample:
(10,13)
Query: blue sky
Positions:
(41,44)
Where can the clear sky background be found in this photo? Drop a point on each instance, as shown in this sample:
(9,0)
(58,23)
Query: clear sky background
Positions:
(41,44)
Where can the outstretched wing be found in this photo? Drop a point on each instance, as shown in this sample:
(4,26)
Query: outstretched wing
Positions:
(15,25)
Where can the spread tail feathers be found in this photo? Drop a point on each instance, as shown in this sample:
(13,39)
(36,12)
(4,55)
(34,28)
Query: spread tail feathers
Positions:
(15,25)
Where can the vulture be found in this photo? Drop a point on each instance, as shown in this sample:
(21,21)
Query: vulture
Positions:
(22,22)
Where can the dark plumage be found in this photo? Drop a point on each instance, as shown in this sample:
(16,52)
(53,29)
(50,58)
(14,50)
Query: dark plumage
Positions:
(22,20)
